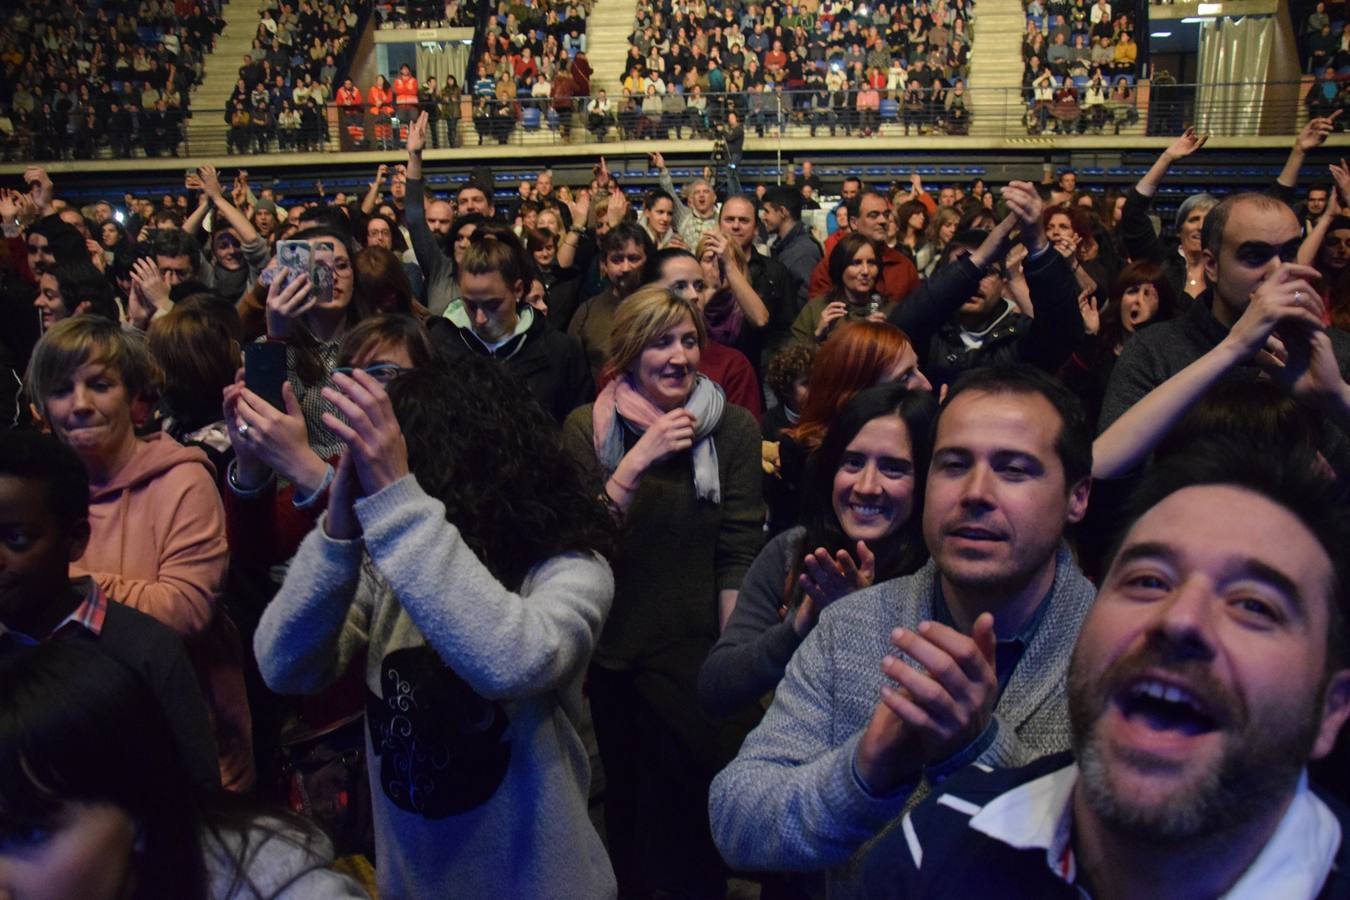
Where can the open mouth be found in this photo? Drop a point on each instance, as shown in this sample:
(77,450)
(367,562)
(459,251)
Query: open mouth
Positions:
(869,510)
(1163,706)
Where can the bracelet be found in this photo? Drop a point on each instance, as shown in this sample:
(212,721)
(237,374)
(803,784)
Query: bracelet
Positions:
(307,502)
(629,488)
(231,476)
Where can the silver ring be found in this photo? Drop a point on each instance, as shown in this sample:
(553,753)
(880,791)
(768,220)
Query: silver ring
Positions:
(242,429)
(1298,295)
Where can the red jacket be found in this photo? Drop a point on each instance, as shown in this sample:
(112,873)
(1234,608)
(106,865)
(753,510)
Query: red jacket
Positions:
(380,99)
(898,277)
(405,90)
(348,98)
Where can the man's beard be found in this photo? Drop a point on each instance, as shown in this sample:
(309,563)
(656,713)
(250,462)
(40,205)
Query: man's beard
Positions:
(1254,773)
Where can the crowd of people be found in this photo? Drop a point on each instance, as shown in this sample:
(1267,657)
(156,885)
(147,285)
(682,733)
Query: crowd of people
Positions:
(1081,59)
(832,65)
(369,511)
(290,76)
(81,80)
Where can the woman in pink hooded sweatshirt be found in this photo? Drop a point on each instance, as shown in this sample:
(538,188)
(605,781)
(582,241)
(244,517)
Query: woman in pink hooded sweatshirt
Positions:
(158,528)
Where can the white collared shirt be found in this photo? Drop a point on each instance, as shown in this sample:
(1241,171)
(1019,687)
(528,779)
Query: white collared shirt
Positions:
(1294,863)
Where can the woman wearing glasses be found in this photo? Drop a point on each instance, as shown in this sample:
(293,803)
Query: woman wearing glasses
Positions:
(311,321)
(278,482)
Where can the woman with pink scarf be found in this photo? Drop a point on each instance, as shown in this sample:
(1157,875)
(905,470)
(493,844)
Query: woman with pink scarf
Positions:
(681,468)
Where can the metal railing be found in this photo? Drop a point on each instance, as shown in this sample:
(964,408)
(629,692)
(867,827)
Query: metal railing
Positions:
(1162,110)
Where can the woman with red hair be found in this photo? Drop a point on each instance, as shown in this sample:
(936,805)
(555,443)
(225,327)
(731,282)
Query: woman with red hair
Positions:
(856,356)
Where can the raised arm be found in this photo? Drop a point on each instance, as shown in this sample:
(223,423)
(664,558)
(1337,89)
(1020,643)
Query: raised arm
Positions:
(1285,297)
(372,197)
(1179,149)
(208,181)
(1311,137)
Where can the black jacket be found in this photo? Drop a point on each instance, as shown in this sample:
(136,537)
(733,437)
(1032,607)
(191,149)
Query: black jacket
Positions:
(928,317)
(551,363)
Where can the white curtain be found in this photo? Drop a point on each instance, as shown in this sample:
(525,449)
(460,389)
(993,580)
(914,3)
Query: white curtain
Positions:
(1234,58)
(448,58)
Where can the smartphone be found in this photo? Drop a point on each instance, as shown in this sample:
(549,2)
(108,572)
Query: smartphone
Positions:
(322,273)
(297,257)
(265,370)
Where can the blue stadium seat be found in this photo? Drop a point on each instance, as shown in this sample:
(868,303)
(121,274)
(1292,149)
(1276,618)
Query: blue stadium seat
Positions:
(530,119)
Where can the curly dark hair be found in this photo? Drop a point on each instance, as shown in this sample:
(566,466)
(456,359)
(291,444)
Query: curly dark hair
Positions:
(480,443)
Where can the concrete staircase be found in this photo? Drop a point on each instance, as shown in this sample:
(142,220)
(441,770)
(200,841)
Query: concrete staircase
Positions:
(996,68)
(607,29)
(206,128)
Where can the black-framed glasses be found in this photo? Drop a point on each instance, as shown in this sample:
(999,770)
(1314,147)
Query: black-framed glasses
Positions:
(381,372)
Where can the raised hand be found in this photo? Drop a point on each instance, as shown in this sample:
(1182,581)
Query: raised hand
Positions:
(210,182)
(39,186)
(1340,173)
(417,133)
(828,316)
(149,289)
(271,439)
(658,161)
(1185,145)
(617,209)
(1316,131)
(1285,298)
(580,208)
(288,298)
(825,579)
(668,435)
(928,714)
(1087,308)
(374,439)
(1025,202)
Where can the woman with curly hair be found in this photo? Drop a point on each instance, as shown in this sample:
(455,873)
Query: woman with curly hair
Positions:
(461,553)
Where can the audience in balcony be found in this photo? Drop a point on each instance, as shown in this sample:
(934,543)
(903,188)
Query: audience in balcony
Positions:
(71,86)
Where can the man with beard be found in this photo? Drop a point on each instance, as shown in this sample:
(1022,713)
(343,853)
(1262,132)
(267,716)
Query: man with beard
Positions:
(901,684)
(1211,669)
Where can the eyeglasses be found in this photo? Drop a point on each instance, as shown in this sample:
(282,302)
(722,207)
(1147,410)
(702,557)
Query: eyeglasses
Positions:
(381,372)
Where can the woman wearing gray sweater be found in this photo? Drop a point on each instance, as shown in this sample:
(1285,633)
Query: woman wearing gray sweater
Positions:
(461,553)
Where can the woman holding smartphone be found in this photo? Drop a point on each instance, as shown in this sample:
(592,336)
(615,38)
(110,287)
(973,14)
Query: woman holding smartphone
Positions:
(310,312)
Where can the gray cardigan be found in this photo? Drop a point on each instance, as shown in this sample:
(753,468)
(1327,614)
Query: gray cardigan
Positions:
(479,778)
(791,800)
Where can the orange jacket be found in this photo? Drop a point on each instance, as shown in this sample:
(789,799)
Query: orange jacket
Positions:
(348,98)
(380,99)
(405,90)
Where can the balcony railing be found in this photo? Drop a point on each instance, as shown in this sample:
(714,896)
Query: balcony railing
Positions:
(1227,109)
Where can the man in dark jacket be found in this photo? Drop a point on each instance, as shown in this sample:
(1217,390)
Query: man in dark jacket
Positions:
(1209,671)
(959,319)
(793,245)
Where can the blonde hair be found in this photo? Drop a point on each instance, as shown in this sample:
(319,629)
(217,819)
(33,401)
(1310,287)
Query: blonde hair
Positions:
(644,316)
(81,340)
